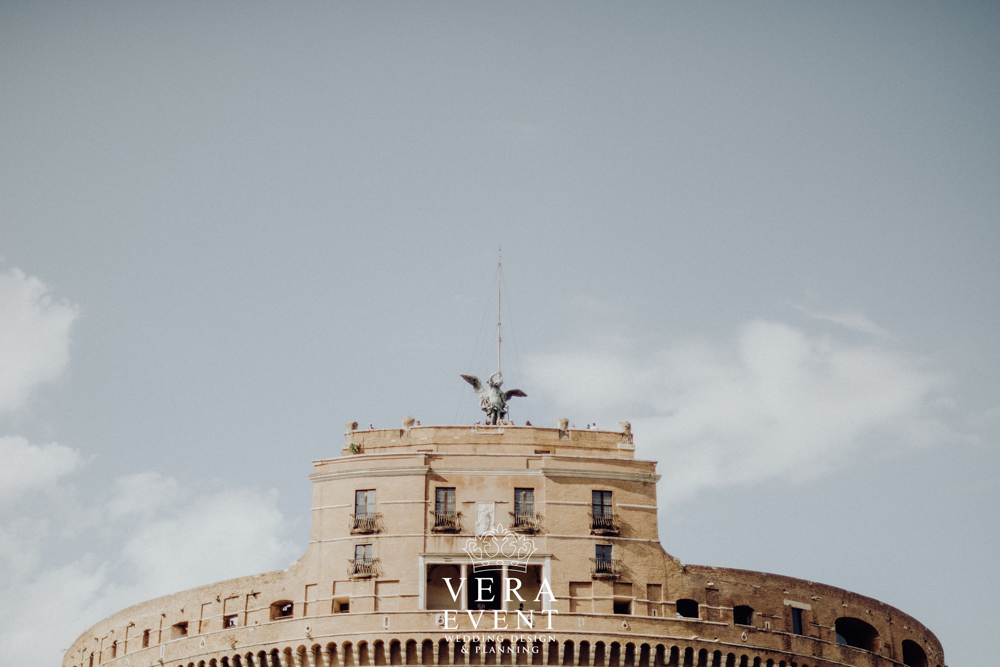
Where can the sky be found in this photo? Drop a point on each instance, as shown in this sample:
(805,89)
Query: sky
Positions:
(766,234)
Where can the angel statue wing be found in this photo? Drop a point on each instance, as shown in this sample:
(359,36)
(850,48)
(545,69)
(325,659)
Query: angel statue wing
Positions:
(476,384)
(513,392)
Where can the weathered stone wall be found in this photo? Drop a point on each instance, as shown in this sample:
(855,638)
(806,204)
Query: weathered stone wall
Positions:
(383,613)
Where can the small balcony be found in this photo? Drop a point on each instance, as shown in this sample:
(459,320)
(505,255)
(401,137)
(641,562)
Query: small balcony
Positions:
(362,568)
(605,568)
(604,524)
(447,522)
(525,522)
(365,522)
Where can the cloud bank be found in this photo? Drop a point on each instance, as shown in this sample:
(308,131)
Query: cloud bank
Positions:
(34,337)
(66,561)
(774,403)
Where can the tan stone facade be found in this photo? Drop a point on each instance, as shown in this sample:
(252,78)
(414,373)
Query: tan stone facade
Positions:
(382,580)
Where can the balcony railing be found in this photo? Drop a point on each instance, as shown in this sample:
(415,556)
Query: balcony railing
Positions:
(447,522)
(604,524)
(362,568)
(525,522)
(366,522)
(606,567)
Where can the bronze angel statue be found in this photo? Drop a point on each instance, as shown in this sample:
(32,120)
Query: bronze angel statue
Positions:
(492,399)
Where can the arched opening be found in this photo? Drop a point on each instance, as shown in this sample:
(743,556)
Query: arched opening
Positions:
(537,653)
(615,655)
(490,653)
(600,655)
(644,655)
(629,660)
(427,652)
(584,653)
(379,647)
(282,609)
(567,656)
(364,654)
(506,652)
(913,654)
(855,632)
(743,615)
(443,652)
(460,657)
(687,609)
(521,653)
(552,657)
(395,653)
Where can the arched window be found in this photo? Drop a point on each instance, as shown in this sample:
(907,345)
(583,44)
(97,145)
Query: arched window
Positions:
(743,615)
(855,632)
(282,609)
(913,654)
(687,609)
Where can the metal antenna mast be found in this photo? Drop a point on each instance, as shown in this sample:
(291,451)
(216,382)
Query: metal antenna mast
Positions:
(499,281)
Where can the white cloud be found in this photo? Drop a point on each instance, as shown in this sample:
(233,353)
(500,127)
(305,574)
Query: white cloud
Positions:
(229,533)
(142,494)
(34,337)
(776,403)
(63,580)
(27,467)
(848,319)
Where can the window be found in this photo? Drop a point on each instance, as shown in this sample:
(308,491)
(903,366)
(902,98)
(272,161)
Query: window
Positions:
(743,615)
(145,638)
(364,502)
(524,502)
(229,621)
(282,609)
(622,607)
(603,563)
(445,516)
(364,563)
(179,630)
(796,621)
(602,504)
(687,609)
(444,501)
(365,519)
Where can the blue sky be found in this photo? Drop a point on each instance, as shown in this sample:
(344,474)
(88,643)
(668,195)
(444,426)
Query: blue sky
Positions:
(766,234)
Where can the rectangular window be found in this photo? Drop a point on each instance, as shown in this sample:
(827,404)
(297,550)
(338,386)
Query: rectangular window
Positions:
(796,621)
(444,501)
(364,502)
(524,502)
(229,621)
(601,501)
(622,607)
(603,552)
(179,630)
(145,638)
(362,552)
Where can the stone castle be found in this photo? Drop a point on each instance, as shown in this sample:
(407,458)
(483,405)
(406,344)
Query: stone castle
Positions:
(497,545)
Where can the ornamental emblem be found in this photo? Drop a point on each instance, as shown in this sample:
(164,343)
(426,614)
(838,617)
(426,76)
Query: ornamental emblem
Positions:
(493,550)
